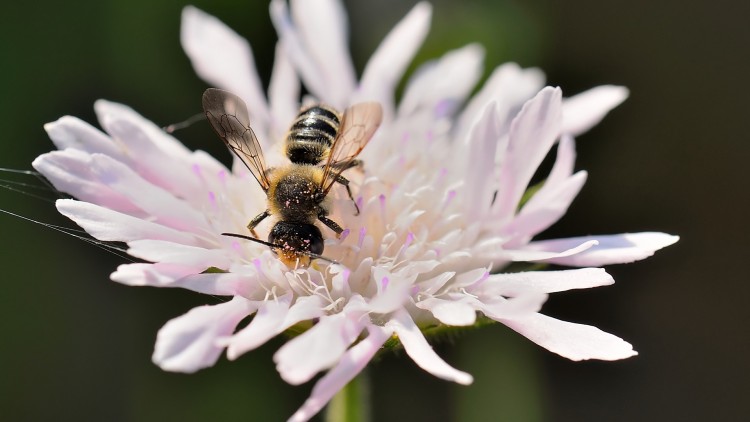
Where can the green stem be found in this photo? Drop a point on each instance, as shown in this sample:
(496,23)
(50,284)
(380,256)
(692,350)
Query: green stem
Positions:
(351,403)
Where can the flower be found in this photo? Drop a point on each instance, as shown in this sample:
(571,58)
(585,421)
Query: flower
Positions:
(444,197)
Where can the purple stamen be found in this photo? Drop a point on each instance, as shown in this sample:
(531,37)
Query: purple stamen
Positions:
(384,283)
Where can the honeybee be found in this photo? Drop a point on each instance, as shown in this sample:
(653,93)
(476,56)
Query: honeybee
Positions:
(297,192)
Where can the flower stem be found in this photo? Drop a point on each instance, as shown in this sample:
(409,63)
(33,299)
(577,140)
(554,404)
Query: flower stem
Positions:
(351,403)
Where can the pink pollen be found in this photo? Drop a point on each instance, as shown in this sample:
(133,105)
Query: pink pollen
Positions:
(236,246)
(384,282)
(343,235)
(197,170)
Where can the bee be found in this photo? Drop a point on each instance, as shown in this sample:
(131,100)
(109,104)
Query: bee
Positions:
(320,145)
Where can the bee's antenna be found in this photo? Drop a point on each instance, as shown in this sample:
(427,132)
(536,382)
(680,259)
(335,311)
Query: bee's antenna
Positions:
(183,124)
(271,245)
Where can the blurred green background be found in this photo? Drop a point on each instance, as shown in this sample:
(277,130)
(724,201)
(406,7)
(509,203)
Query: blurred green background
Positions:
(76,346)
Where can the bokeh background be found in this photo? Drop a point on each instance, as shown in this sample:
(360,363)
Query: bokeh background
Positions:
(673,158)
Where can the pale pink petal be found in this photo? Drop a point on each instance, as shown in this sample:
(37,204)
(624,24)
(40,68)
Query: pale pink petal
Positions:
(72,132)
(544,281)
(156,275)
(480,186)
(318,348)
(70,171)
(393,291)
(509,87)
(176,253)
(526,302)
(583,111)
(539,254)
(184,276)
(610,249)
(220,284)
(296,50)
(225,60)
(267,323)
(569,340)
(188,343)
(350,364)
(322,26)
(105,224)
(283,94)
(550,205)
(532,134)
(441,86)
(421,352)
(156,156)
(388,63)
(159,204)
(451,311)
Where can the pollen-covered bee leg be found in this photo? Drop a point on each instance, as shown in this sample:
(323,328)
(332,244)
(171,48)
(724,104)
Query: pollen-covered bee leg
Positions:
(344,181)
(255,221)
(331,224)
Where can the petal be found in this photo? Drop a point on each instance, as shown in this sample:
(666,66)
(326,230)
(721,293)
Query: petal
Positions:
(548,206)
(188,343)
(265,325)
(70,171)
(72,132)
(272,319)
(583,111)
(176,253)
(441,86)
(421,352)
(224,59)
(159,204)
(283,94)
(153,154)
(323,29)
(532,134)
(611,249)
(538,254)
(388,63)
(479,185)
(184,276)
(105,224)
(318,348)
(148,274)
(450,312)
(393,291)
(569,340)
(526,301)
(544,281)
(509,87)
(350,364)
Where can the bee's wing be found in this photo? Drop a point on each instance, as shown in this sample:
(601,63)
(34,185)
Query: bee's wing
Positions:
(228,115)
(359,123)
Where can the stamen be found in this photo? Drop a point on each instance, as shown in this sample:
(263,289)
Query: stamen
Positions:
(384,283)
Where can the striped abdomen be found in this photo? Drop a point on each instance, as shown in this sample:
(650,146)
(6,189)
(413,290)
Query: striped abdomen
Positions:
(312,134)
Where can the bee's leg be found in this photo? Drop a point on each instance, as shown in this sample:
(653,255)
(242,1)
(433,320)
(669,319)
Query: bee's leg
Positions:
(331,224)
(255,221)
(344,181)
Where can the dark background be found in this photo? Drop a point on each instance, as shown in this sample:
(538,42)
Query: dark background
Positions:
(673,158)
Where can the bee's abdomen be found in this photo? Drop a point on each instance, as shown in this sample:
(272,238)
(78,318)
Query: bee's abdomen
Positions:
(312,135)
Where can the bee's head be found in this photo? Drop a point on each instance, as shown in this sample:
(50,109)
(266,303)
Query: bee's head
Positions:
(298,243)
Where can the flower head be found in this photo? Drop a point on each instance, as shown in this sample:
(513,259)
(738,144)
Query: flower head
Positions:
(444,195)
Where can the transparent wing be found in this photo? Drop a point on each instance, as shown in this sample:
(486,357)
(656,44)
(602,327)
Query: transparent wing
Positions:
(228,115)
(359,123)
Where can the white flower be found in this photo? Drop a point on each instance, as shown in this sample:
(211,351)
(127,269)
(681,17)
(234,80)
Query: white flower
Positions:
(441,198)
